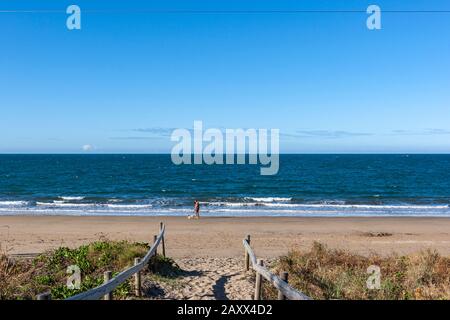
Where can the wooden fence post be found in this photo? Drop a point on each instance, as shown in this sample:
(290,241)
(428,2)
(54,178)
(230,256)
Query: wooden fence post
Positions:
(284,277)
(137,279)
(258,282)
(162,239)
(106,277)
(44,296)
(154,241)
(247,256)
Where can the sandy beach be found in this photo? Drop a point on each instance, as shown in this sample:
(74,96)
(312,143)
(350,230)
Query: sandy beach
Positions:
(222,237)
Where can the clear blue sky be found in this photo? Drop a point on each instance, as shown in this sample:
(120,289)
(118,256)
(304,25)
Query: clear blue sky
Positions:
(123,81)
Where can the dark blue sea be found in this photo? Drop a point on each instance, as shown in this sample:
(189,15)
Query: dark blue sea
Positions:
(306,185)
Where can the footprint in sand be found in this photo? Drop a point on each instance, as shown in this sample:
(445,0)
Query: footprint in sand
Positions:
(215,278)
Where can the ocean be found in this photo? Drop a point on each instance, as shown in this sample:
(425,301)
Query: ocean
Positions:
(149,185)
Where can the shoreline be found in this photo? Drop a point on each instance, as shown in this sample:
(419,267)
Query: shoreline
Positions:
(208,215)
(222,236)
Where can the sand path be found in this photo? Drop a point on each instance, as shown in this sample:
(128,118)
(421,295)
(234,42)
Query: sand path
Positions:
(205,279)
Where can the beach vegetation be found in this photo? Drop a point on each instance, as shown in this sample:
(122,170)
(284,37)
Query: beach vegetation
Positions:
(324,273)
(25,278)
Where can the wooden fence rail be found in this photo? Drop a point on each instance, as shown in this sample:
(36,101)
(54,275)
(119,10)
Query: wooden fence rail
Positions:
(284,289)
(105,290)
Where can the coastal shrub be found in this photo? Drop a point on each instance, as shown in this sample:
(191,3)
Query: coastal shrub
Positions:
(24,279)
(324,273)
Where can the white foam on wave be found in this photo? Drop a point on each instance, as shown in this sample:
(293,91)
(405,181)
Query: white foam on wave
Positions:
(62,204)
(252,206)
(248,204)
(72,198)
(268,199)
(325,206)
(229,204)
(129,206)
(145,210)
(371,206)
(13,203)
(178,210)
(322,213)
(114,200)
(94,206)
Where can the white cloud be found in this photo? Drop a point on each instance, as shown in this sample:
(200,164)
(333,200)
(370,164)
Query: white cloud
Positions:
(87,147)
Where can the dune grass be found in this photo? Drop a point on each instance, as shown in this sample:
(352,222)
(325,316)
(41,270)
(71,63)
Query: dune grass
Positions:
(24,279)
(323,273)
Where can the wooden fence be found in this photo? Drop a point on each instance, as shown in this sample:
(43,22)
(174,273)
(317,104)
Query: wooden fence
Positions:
(104,290)
(285,291)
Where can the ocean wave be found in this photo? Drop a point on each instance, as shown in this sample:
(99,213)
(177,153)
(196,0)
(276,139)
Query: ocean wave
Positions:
(129,206)
(94,206)
(114,200)
(13,203)
(372,206)
(146,210)
(248,204)
(62,204)
(228,204)
(252,206)
(179,210)
(323,213)
(267,199)
(177,204)
(72,198)
(324,205)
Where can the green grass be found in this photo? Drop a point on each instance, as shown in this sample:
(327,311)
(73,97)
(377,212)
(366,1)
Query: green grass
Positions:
(322,273)
(24,279)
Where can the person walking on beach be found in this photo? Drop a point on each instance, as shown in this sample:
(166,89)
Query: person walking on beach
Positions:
(196,214)
(197,209)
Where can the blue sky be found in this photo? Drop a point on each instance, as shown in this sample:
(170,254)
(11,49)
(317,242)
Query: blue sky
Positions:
(127,77)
